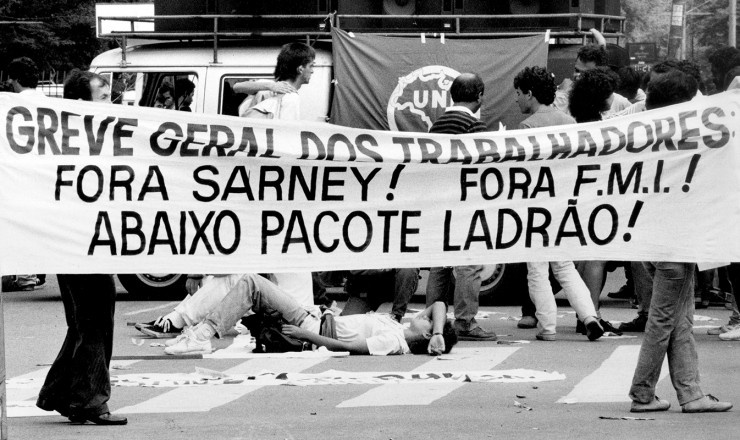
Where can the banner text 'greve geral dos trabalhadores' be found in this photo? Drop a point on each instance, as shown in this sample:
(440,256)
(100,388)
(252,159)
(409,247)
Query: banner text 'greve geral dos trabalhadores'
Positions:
(103,188)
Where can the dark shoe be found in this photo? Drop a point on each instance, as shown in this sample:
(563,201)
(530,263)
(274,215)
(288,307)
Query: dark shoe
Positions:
(164,331)
(637,325)
(53,406)
(580,327)
(101,419)
(476,334)
(707,403)
(608,327)
(624,292)
(527,322)
(655,405)
(594,330)
(140,325)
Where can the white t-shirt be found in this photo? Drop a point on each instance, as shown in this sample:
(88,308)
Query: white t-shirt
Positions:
(383,335)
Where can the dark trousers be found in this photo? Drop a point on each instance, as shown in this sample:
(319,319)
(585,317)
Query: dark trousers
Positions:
(79,380)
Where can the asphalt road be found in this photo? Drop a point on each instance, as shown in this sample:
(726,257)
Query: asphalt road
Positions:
(588,381)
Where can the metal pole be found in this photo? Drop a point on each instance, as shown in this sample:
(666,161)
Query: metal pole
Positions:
(733,23)
(3,391)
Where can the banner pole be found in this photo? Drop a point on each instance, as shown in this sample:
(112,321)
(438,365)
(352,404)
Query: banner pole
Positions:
(3,390)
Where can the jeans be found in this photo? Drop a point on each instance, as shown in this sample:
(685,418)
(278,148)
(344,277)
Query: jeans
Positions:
(540,292)
(368,289)
(79,378)
(669,331)
(255,293)
(467,282)
(643,288)
(194,308)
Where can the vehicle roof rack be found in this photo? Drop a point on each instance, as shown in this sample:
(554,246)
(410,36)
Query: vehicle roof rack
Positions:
(251,27)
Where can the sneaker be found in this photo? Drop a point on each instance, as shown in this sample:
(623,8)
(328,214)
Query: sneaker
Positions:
(636,325)
(542,336)
(527,322)
(180,337)
(190,345)
(140,325)
(655,405)
(723,329)
(624,292)
(476,334)
(732,335)
(580,327)
(594,330)
(707,403)
(162,331)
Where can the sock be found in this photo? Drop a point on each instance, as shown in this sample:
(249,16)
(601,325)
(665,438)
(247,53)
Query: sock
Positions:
(204,331)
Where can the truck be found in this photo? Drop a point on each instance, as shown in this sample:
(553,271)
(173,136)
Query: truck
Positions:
(216,44)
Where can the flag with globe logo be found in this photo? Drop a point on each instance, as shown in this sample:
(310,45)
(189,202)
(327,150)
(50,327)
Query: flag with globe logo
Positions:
(402,83)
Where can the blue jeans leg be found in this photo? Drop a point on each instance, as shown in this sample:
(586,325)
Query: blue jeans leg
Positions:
(669,331)
(467,291)
(254,292)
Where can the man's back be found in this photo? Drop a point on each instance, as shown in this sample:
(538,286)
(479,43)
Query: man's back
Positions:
(457,122)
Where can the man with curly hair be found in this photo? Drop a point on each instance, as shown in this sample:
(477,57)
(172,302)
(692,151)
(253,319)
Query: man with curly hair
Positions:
(535,93)
(589,57)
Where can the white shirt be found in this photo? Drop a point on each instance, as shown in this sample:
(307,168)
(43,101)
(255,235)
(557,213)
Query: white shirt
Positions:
(382,334)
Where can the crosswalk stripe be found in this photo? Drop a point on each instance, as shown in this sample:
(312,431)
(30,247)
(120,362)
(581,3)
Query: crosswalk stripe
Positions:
(611,381)
(201,399)
(463,359)
(18,402)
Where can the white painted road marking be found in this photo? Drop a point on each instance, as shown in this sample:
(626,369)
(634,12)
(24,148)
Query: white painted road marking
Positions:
(200,399)
(612,380)
(463,359)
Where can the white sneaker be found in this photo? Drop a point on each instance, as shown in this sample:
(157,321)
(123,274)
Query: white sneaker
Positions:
(732,335)
(180,337)
(724,329)
(189,344)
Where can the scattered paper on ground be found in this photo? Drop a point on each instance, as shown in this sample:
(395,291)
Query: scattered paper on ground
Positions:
(330,377)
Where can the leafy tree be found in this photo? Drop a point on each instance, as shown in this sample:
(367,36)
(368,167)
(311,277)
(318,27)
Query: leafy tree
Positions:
(57,34)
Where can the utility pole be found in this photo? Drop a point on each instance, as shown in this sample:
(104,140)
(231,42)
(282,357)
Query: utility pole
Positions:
(675,36)
(733,23)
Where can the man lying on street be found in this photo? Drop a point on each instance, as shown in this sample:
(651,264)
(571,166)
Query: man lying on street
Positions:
(376,334)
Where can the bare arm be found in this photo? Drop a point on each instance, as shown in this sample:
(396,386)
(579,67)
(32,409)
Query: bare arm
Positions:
(253,86)
(438,313)
(356,347)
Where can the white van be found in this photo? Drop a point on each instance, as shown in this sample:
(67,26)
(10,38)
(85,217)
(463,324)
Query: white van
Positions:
(136,75)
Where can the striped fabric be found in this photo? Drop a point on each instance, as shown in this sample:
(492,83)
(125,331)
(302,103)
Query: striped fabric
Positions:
(456,122)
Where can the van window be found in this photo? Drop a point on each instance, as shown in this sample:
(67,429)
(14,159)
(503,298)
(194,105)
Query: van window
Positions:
(229,100)
(171,90)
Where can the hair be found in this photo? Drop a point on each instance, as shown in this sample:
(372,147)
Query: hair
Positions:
(671,88)
(730,75)
(448,334)
(590,94)
(291,57)
(24,71)
(77,85)
(593,53)
(690,68)
(629,82)
(467,87)
(165,87)
(538,81)
(184,87)
(723,58)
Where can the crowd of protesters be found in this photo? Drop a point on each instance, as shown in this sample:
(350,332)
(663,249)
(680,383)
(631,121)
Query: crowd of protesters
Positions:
(665,291)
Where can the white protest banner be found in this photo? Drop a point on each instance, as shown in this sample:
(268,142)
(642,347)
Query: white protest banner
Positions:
(91,187)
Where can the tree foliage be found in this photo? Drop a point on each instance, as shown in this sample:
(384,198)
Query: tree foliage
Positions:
(57,34)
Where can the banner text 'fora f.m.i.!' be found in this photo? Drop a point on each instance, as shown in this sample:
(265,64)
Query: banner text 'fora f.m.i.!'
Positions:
(104,188)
